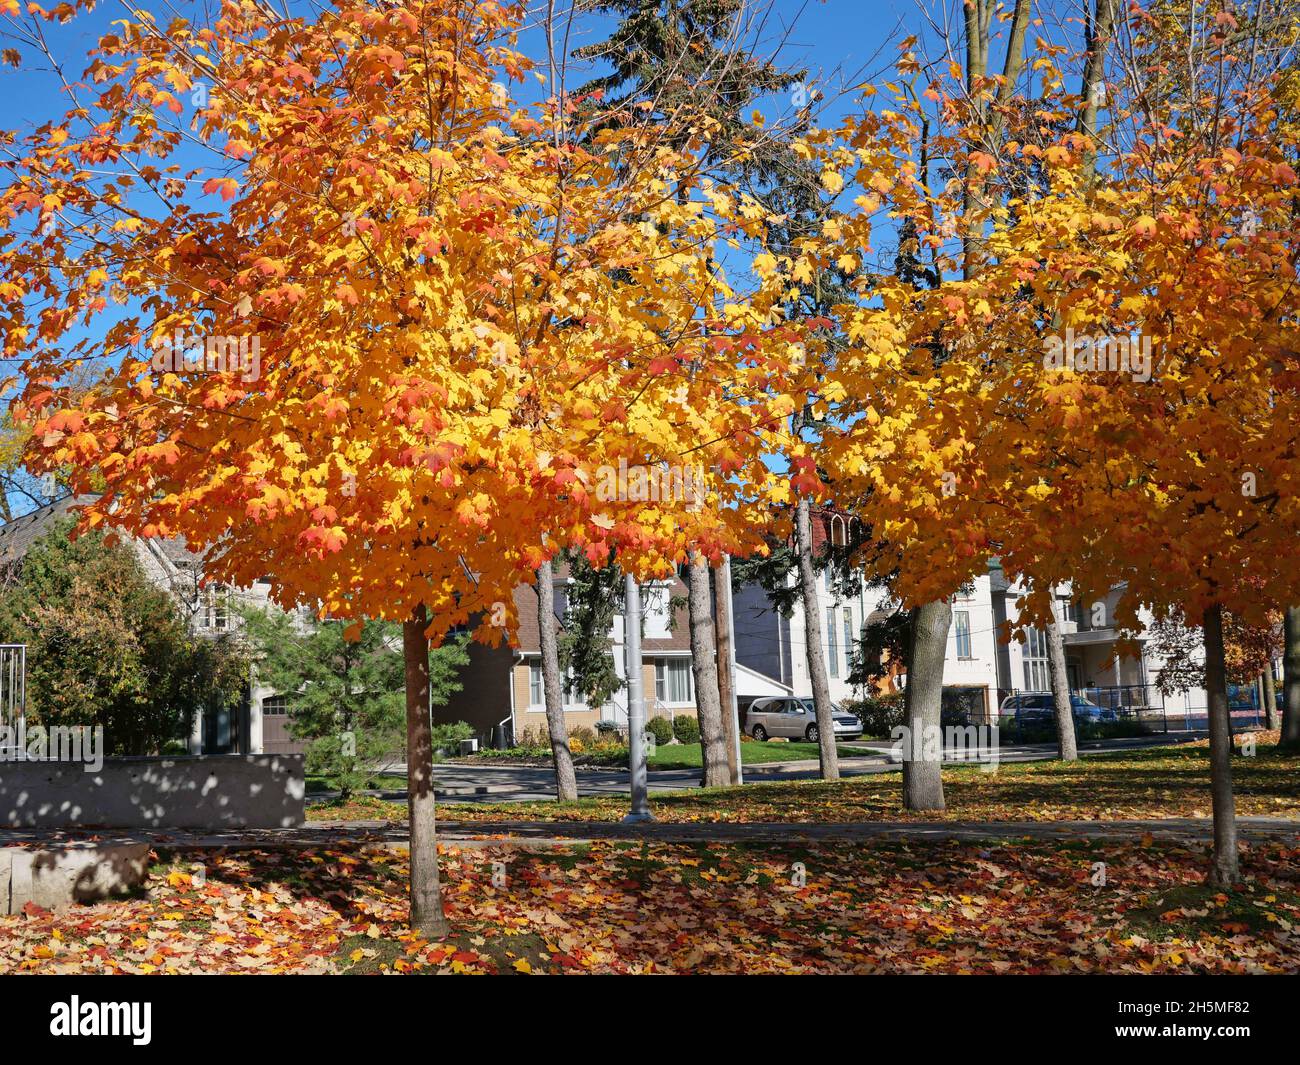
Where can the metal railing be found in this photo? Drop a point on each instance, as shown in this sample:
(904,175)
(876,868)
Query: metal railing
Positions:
(1143,708)
(13,692)
(1129,698)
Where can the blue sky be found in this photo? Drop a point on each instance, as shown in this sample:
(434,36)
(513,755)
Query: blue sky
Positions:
(839,43)
(827,37)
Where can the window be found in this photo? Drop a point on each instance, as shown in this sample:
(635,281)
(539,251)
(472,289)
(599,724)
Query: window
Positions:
(961,621)
(536,694)
(673,680)
(848,639)
(1037,678)
(655,620)
(537,688)
(216,608)
(275,706)
(832,644)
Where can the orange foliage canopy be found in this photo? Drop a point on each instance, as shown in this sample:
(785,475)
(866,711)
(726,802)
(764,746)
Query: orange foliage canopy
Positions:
(443,335)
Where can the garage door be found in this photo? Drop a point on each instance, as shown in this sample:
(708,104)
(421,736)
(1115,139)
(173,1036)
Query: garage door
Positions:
(275,728)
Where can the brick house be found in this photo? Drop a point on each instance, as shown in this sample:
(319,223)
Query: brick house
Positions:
(502,686)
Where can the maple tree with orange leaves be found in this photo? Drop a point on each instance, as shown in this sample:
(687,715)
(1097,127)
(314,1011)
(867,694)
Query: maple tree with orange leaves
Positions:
(1163,460)
(372,328)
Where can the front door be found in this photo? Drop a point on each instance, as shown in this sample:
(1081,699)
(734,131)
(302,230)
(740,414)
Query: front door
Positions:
(1074,674)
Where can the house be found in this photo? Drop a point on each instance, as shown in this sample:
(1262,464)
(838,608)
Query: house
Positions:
(257,723)
(980,670)
(502,686)
(772,647)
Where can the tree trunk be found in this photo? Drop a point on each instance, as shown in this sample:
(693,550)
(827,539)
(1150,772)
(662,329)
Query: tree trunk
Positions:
(923,697)
(566,784)
(722,607)
(1067,747)
(1291,681)
(1271,717)
(1097,32)
(708,702)
(830,762)
(1223,872)
(427,918)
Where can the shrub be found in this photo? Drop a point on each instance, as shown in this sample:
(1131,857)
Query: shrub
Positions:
(606,727)
(879,714)
(447,737)
(581,735)
(686,728)
(609,741)
(661,729)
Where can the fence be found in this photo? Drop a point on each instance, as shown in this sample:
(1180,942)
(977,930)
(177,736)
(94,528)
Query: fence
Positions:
(13,691)
(1143,708)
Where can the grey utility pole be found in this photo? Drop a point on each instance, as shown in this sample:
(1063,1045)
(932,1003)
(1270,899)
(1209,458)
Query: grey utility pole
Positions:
(635,702)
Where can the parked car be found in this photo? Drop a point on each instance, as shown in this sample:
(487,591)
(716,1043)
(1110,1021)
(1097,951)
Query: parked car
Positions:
(796,718)
(1030,709)
(1242,698)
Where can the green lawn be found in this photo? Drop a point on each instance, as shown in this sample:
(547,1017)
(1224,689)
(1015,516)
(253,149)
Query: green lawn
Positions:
(690,755)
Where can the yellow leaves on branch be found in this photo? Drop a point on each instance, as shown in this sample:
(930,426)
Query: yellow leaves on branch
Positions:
(410,348)
(1114,365)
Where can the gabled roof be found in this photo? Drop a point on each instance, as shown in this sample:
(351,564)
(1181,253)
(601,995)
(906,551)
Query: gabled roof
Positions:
(18,536)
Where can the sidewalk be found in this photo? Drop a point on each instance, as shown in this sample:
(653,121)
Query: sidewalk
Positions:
(566,833)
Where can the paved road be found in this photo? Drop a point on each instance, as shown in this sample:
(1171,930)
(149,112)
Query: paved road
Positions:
(485,782)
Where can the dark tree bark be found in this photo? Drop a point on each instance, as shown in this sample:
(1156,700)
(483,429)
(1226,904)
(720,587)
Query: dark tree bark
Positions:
(1291,681)
(427,918)
(1271,717)
(923,698)
(830,761)
(1223,871)
(1098,31)
(708,701)
(1067,747)
(566,783)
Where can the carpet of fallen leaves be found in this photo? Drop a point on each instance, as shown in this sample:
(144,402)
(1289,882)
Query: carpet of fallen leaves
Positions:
(1160,782)
(1014,906)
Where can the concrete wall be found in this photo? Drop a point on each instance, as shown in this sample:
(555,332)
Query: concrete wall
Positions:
(60,875)
(208,793)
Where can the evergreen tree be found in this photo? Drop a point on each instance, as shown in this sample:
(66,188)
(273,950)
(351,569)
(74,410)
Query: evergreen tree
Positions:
(107,647)
(347,696)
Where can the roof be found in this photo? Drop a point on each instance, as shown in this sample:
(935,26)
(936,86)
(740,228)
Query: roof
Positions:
(18,536)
